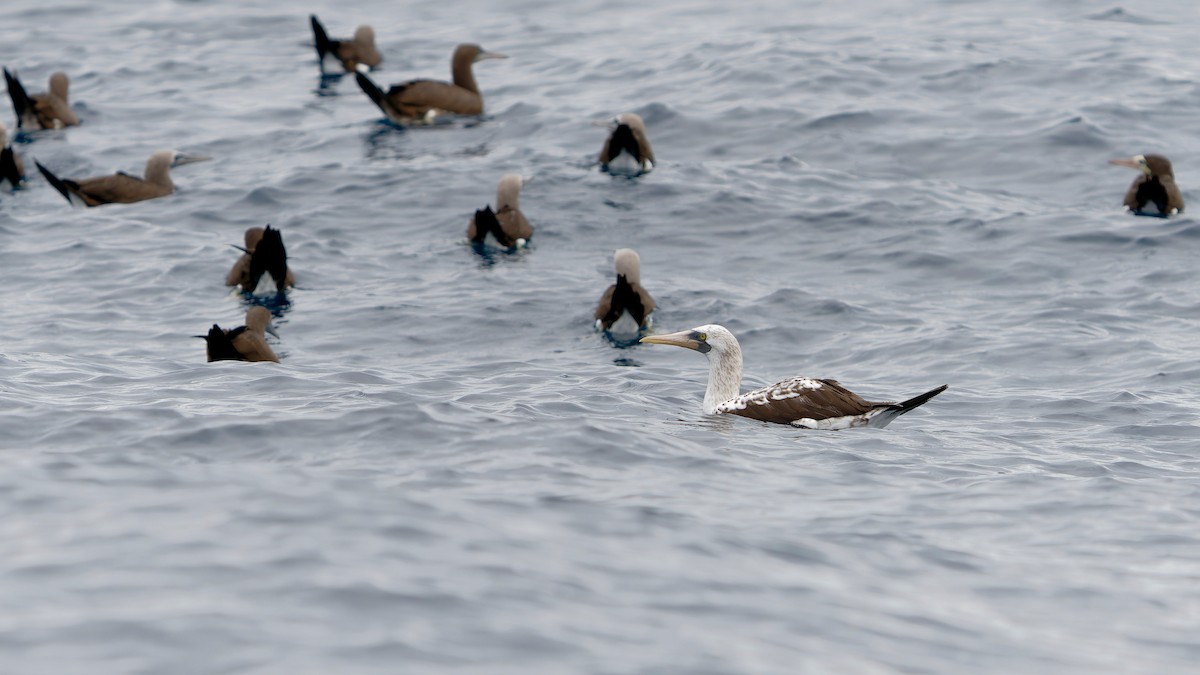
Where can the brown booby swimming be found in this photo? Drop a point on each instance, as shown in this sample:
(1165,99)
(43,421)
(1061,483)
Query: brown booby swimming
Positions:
(801,402)
(49,110)
(627,150)
(12,170)
(1156,185)
(345,54)
(264,254)
(625,306)
(418,101)
(507,224)
(244,343)
(122,188)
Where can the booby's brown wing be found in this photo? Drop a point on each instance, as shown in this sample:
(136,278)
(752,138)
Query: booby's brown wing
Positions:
(416,98)
(1174,196)
(514,224)
(120,188)
(240,273)
(1131,195)
(252,346)
(605,305)
(53,112)
(799,398)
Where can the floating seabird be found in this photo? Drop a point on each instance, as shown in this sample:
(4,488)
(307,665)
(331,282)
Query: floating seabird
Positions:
(801,402)
(345,54)
(419,101)
(122,188)
(12,171)
(49,110)
(625,307)
(264,254)
(627,150)
(1156,185)
(244,343)
(507,224)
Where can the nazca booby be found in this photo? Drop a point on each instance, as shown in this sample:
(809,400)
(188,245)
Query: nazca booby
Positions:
(48,110)
(1156,185)
(625,306)
(122,188)
(800,401)
(418,101)
(244,343)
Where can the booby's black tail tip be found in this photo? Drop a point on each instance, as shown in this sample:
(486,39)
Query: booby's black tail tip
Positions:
(320,37)
(269,257)
(370,89)
(905,406)
(55,181)
(20,100)
(8,167)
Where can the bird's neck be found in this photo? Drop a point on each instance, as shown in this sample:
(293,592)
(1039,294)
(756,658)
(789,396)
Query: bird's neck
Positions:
(159,175)
(724,378)
(463,75)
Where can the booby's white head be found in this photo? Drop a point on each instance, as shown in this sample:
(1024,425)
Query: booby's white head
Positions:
(628,265)
(724,359)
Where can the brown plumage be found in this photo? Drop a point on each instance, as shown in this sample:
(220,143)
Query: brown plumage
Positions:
(47,110)
(244,270)
(507,223)
(244,343)
(419,100)
(1156,184)
(12,169)
(626,296)
(122,188)
(627,149)
(347,53)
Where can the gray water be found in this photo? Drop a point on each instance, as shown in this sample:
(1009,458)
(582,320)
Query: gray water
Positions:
(451,472)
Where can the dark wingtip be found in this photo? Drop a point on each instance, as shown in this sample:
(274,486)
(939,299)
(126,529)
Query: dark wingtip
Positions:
(20,99)
(370,89)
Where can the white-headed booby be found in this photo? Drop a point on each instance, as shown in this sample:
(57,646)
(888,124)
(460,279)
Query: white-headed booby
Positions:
(264,254)
(418,101)
(801,402)
(625,306)
(244,343)
(1156,185)
(627,150)
(507,223)
(345,54)
(49,110)
(122,188)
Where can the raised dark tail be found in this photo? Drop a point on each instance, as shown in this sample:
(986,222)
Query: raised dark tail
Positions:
(269,257)
(623,139)
(372,91)
(8,167)
(895,410)
(220,345)
(624,298)
(486,221)
(57,182)
(321,38)
(20,100)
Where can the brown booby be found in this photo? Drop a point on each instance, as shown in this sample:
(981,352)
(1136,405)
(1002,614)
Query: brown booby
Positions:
(264,254)
(418,101)
(122,188)
(244,343)
(12,170)
(49,110)
(801,402)
(345,54)
(507,224)
(625,307)
(627,150)
(1156,185)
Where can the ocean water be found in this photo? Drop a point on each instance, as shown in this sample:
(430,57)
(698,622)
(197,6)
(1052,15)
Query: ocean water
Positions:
(451,472)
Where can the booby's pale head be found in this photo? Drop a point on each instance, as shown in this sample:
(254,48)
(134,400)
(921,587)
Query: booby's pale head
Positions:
(1151,165)
(628,265)
(252,237)
(472,53)
(59,85)
(364,36)
(179,158)
(703,339)
(258,319)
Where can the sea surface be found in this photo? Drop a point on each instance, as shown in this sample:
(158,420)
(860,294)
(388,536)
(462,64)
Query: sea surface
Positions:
(451,472)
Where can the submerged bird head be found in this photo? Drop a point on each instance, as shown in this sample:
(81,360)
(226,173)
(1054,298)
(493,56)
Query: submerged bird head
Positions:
(704,339)
(628,265)
(1151,165)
